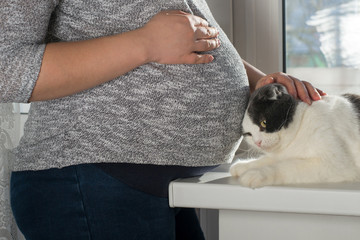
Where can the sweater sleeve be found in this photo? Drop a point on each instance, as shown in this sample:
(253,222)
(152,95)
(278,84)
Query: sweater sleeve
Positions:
(23,30)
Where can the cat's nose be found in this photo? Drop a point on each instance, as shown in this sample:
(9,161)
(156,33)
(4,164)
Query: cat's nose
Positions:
(258,143)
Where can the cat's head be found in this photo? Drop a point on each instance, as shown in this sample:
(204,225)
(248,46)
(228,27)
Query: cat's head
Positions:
(270,111)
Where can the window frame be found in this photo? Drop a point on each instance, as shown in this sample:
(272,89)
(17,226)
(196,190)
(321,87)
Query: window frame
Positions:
(258,33)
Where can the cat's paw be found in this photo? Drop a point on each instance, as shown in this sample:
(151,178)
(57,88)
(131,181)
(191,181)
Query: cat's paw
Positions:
(238,168)
(257,177)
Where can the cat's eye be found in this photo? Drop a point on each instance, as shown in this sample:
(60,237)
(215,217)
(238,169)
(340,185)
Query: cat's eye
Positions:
(263,123)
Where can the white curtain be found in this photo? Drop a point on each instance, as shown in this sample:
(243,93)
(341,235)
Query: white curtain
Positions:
(9,138)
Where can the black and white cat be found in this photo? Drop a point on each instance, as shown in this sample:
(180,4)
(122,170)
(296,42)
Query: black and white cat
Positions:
(301,143)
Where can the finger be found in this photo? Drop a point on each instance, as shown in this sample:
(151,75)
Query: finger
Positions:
(204,45)
(321,92)
(195,58)
(198,21)
(269,80)
(206,32)
(302,91)
(264,81)
(288,83)
(313,92)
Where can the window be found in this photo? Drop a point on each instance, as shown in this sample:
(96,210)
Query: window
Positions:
(314,40)
(322,43)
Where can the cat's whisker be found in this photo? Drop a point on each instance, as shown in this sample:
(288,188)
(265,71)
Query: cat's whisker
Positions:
(249,152)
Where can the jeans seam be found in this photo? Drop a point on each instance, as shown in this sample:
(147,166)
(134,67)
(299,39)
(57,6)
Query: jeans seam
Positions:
(82,202)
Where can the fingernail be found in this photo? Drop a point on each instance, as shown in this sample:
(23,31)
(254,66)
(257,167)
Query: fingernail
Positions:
(321,93)
(211,58)
(308,101)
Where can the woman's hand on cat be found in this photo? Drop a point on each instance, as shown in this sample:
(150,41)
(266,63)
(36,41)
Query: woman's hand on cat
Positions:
(302,90)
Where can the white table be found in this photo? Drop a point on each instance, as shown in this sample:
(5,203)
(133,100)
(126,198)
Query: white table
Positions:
(306,212)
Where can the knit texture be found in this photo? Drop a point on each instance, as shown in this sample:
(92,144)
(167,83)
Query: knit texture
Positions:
(187,115)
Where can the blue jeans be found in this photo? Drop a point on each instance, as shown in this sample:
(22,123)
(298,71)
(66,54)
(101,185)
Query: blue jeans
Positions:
(83,202)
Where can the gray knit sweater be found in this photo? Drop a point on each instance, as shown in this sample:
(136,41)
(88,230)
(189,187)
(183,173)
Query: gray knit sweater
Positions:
(187,115)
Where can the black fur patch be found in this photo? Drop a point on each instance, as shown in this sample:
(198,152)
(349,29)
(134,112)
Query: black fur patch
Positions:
(273,104)
(355,100)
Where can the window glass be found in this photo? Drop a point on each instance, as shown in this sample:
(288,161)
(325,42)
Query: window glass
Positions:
(322,41)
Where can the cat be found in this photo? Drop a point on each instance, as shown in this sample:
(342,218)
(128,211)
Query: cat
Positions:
(301,143)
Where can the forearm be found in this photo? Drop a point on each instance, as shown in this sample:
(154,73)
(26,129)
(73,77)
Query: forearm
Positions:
(71,67)
(254,75)
(170,37)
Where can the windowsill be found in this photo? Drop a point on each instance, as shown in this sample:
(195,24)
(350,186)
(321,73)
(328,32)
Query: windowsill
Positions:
(218,190)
